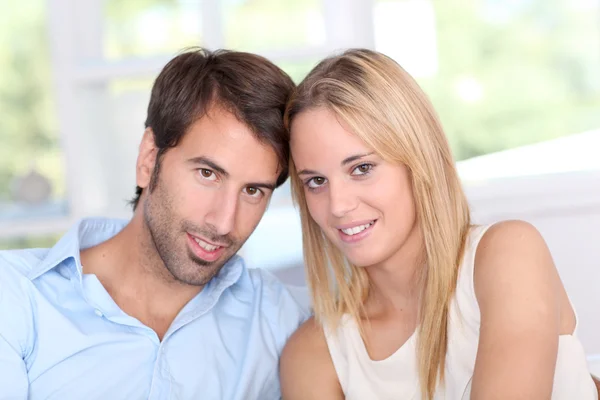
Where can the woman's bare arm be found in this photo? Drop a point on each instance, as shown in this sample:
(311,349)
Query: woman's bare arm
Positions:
(523,311)
(306,368)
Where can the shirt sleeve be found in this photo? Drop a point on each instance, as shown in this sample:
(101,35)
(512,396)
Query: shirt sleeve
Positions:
(16,332)
(283,309)
(286,307)
(13,373)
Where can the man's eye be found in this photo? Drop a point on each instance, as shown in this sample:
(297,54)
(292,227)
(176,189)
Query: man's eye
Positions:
(254,192)
(207,174)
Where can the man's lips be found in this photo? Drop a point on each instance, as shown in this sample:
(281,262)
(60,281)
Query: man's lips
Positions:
(212,243)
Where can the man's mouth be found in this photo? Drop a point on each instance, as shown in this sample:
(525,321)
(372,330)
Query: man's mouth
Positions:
(205,245)
(205,250)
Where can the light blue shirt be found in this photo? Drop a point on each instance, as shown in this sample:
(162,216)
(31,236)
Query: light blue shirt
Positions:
(63,337)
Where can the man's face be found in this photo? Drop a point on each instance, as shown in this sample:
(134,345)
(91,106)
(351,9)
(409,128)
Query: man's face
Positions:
(211,192)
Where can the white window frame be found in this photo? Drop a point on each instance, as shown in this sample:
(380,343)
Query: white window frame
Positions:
(75,29)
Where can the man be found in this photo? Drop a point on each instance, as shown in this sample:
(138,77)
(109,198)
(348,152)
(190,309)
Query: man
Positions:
(161,307)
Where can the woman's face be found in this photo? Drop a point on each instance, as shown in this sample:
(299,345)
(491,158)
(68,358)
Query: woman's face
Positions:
(363,204)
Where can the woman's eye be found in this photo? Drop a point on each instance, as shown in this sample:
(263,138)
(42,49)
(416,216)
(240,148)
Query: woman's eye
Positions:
(315,182)
(207,174)
(362,169)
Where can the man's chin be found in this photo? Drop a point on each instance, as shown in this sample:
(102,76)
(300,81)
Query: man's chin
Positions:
(194,279)
(199,272)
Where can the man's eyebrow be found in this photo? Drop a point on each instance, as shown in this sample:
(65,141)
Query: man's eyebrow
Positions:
(217,168)
(262,185)
(350,159)
(209,163)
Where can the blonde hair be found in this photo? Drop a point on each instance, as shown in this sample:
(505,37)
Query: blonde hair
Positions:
(387,110)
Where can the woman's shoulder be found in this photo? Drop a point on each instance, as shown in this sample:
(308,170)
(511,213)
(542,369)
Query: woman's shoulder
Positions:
(503,245)
(489,245)
(501,258)
(514,262)
(507,230)
(309,336)
(306,367)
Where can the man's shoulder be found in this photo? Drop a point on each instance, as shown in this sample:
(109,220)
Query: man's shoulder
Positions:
(17,264)
(273,289)
(17,297)
(280,303)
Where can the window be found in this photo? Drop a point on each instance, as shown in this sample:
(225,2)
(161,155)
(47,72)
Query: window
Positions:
(31,241)
(76,82)
(76,79)
(149,28)
(273,24)
(501,73)
(32,175)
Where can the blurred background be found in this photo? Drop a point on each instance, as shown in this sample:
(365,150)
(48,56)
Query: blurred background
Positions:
(516,84)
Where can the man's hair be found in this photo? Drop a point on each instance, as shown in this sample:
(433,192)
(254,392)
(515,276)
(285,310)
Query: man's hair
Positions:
(249,86)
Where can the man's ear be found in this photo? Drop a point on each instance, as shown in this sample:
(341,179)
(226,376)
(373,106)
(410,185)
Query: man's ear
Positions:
(146,159)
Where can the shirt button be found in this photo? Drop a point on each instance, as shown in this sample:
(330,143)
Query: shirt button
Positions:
(98,312)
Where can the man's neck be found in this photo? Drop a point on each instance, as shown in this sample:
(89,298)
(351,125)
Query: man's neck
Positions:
(132,272)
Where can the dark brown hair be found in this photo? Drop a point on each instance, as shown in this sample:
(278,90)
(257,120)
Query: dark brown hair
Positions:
(249,86)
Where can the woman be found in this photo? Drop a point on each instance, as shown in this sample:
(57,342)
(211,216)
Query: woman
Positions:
(410,299)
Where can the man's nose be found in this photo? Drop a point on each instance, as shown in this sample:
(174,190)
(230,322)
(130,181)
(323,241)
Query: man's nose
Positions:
(222,216)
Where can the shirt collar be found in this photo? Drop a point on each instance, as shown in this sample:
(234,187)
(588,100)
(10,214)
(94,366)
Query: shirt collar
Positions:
(90,232)
(229,277)
(85,233)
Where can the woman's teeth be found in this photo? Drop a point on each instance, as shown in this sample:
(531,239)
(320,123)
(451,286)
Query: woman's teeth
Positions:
(357,229)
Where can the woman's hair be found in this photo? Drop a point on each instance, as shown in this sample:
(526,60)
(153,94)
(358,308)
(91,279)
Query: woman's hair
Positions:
(388,111)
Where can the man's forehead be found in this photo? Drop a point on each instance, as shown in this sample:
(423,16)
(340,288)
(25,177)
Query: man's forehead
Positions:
(221,137)
(235,154)
(219,124)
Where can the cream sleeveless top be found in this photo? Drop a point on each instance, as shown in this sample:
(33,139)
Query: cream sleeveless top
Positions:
(396,377)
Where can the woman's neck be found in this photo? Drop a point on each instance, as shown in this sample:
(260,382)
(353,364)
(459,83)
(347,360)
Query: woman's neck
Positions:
(396,283)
